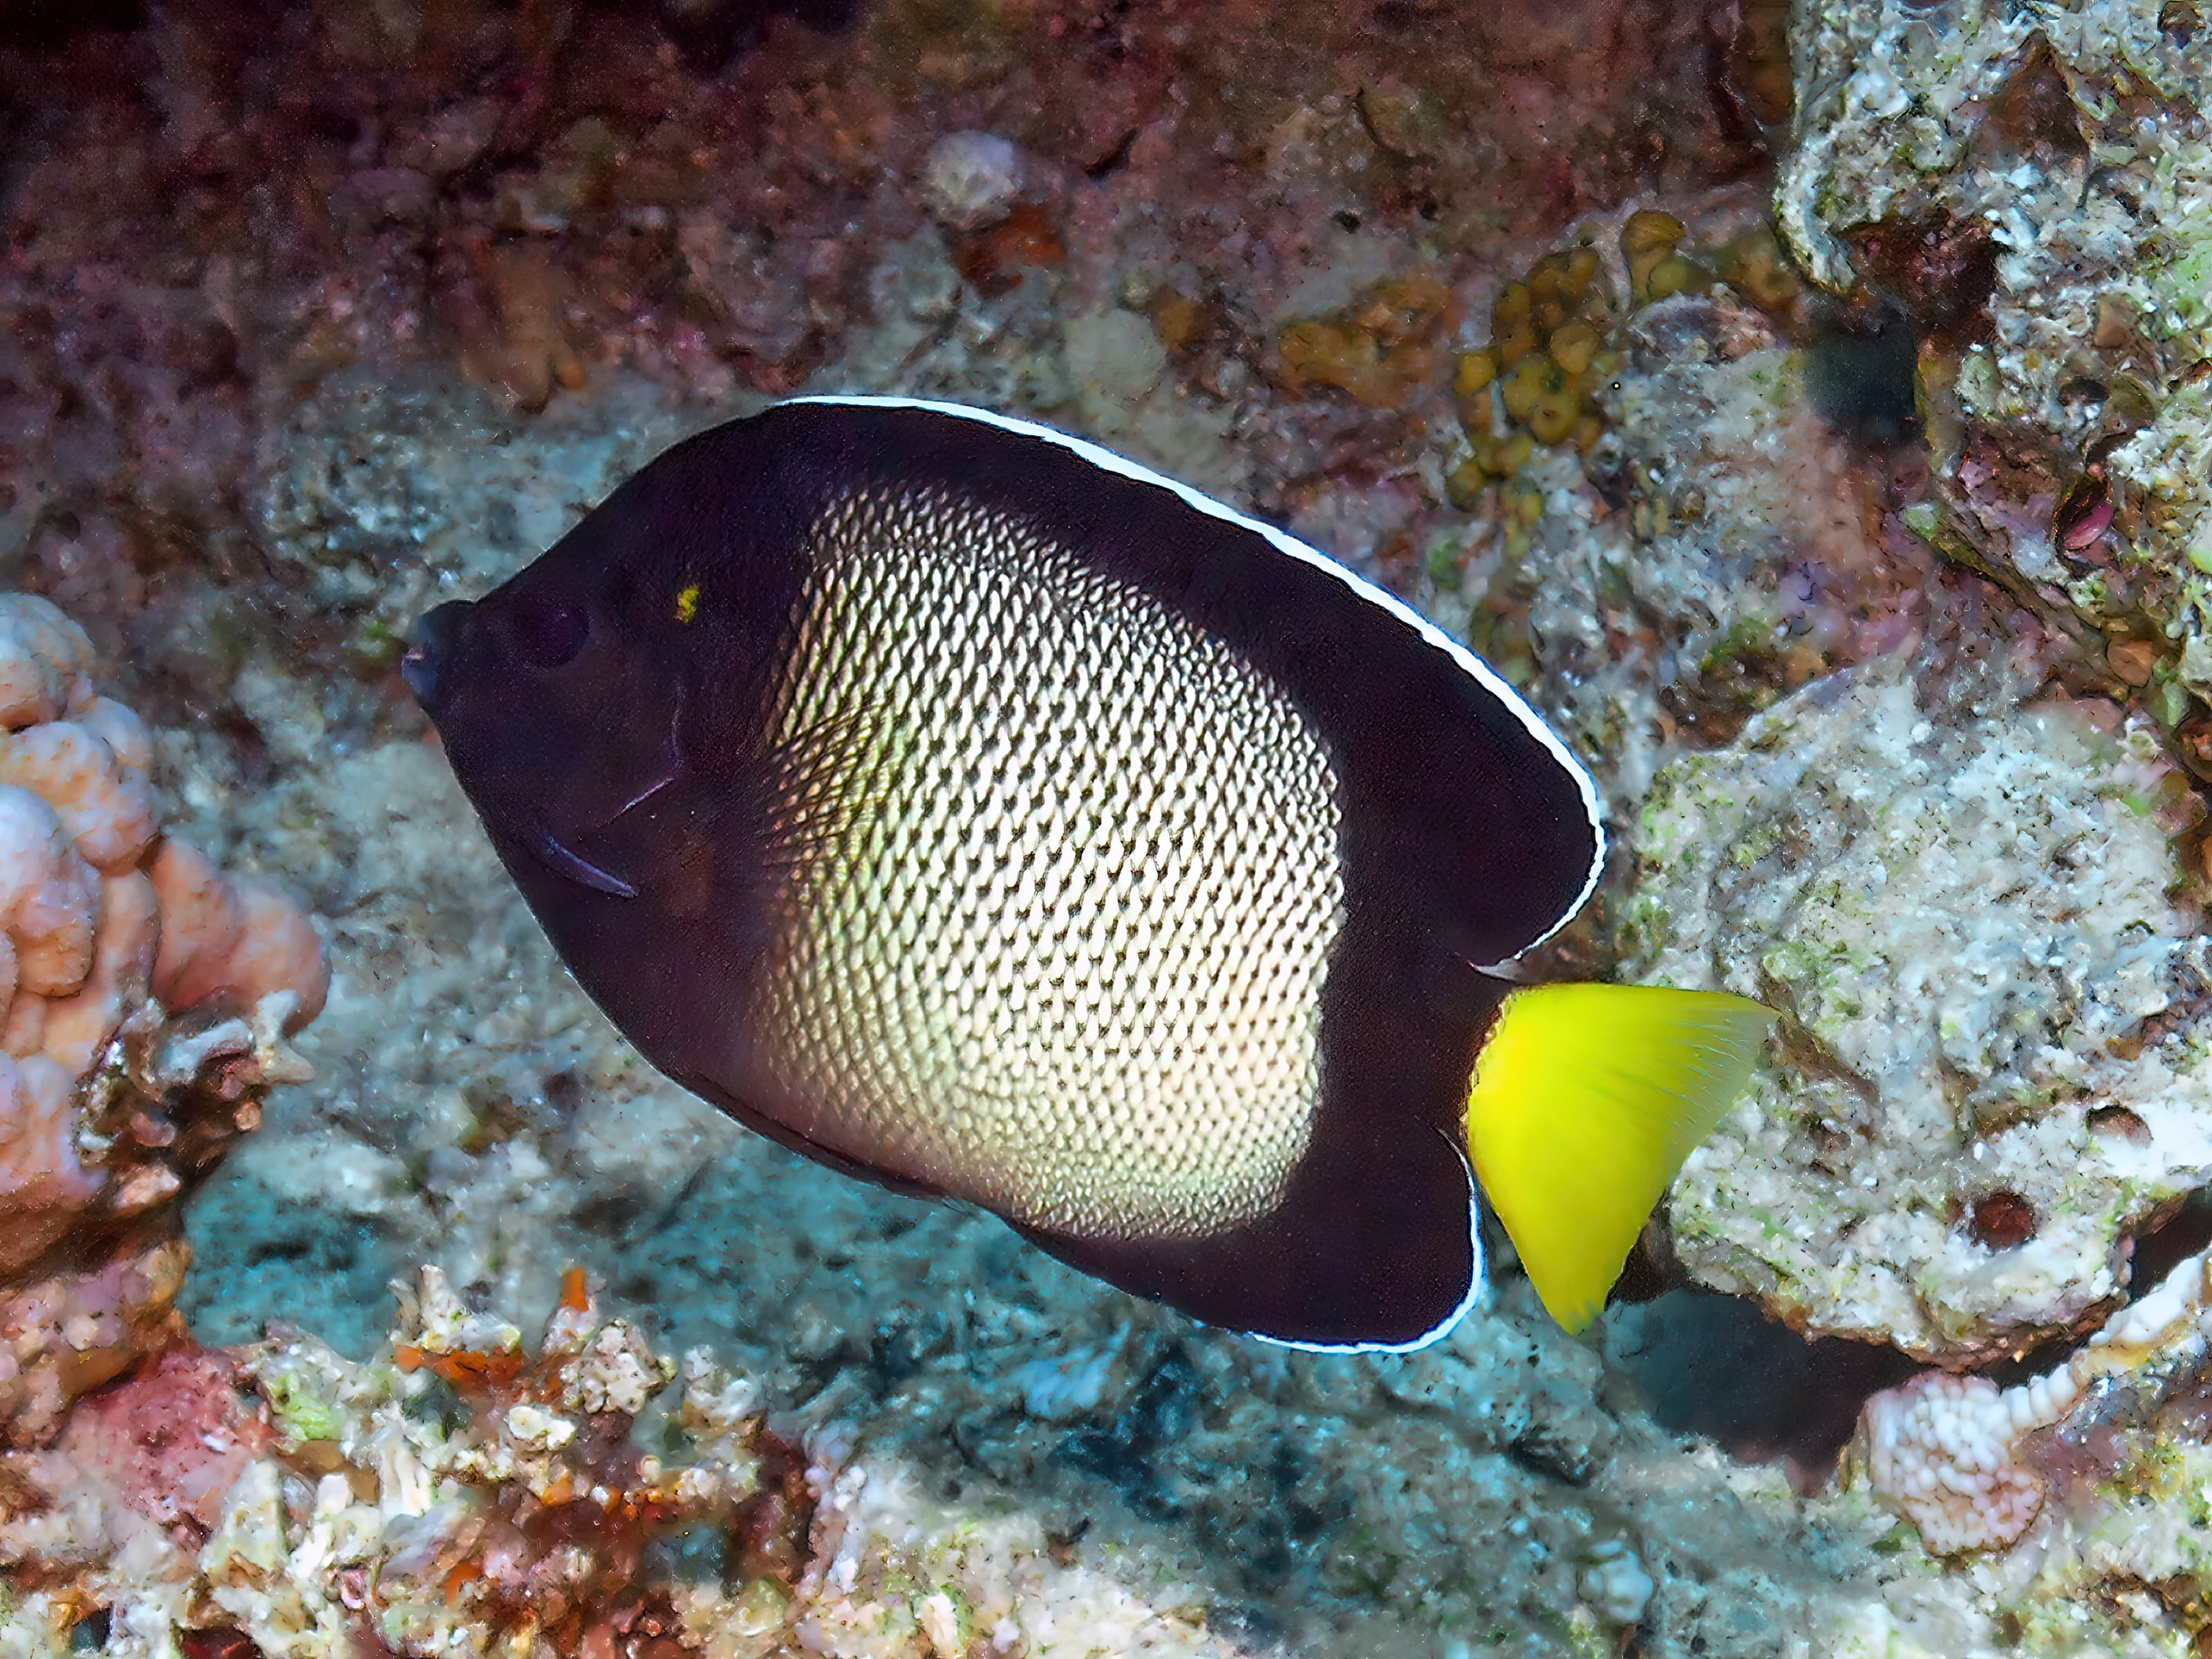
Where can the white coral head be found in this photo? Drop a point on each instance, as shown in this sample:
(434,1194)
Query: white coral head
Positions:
(971,179)
(1940,1451)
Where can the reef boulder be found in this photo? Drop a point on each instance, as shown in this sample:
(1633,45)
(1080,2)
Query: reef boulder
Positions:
(1993,1061)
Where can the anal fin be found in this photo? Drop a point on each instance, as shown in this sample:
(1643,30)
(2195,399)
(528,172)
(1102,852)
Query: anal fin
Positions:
(1586,1100)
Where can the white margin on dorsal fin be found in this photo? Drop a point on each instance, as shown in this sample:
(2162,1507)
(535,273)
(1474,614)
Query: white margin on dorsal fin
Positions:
(1483,673)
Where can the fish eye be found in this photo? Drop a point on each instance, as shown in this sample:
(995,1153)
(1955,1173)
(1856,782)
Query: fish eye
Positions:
(548,634)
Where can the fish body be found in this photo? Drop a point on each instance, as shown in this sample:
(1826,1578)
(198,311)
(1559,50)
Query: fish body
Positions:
(971,810)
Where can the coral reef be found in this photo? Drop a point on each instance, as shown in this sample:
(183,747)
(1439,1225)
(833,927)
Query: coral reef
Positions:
(971,179)
(1383,350)
(1483,1487)
(1939,1448)
(315,318)
(2046,234)
(1547,336)
(1719,544)
(144,999)
(1991,1071)
(2061,1471)
(459,1495)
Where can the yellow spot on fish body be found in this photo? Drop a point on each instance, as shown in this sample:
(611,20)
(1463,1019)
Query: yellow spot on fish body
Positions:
(687,603)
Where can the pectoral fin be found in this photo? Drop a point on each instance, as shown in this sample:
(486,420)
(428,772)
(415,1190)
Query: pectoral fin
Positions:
(1585,1102)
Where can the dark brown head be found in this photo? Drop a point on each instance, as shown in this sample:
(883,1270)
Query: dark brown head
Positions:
(560,698)
(600,707)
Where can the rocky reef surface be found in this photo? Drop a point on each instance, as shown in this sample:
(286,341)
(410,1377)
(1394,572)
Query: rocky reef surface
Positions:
(1805,405)
(1986,928)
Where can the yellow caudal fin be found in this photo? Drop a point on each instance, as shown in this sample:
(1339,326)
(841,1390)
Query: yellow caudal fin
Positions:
(1586,1099)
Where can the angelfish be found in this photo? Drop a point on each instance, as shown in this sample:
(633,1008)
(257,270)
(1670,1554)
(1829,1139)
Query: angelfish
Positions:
(978,812)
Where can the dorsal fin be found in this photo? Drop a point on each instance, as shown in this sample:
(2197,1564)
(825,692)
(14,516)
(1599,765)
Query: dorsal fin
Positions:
(1463,808)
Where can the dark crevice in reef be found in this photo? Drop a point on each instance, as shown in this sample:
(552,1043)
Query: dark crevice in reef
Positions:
(1861,367)
(709,33)
(1940,272)
(1161,1411)
(1927,283)
(1717,1366)
(44,24)
(2159,1250)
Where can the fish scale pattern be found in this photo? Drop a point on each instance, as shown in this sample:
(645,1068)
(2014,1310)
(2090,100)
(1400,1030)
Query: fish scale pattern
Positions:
(1055,935)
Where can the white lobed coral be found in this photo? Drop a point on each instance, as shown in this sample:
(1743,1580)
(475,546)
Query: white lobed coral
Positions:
(1955,1454)
(108,928)
(1940,1450)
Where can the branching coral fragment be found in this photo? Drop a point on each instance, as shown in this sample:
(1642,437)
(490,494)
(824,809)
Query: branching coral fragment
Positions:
(1967,1461)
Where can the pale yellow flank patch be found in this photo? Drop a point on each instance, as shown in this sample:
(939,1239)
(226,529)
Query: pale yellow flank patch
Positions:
(687,603)
(1586,1099)
(1057,946)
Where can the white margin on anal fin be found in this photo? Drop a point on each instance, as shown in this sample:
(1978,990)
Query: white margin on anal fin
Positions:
(1483,673)
(1477,1285)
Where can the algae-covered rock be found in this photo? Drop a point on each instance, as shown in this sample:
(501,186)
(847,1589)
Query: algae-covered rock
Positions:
(2033,184)
(354,490)
(1721,544)
(1993,1063)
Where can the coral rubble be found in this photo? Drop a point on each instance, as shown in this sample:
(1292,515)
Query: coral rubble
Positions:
(459,1495)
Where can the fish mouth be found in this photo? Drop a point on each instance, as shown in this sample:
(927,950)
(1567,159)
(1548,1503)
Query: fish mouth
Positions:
(565,860)
(424,662)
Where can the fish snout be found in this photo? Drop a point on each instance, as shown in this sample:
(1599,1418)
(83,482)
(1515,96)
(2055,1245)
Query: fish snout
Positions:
(425,664)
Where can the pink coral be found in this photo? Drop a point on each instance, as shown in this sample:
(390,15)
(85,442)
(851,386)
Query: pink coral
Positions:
(46,661)
(97,905)
(107,807)
(278,951)
(63,1336)
(75,1026)
(202,923)
(1941,1451)
(142,994)
(49,897)
(44,1186)
(172,1439)
(241,939)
